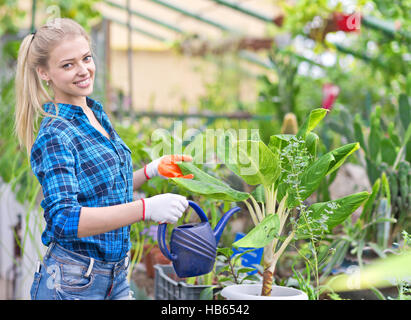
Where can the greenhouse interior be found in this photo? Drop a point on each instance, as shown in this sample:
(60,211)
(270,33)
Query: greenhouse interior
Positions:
(205,150)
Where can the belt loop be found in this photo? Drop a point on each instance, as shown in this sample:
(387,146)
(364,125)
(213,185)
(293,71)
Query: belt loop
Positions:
(127,261)
(90,267)
(38,266)
(49,250)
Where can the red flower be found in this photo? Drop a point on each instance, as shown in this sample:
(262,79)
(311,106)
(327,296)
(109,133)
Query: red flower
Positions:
(347,22)
(330,93)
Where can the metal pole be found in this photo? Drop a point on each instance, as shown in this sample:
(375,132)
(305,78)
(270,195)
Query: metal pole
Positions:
(107,33)
(362,56)
(145,17)
(130,60)
(139,30)
(235,115)
(33,15)
(244,10)
(384,26)
(196,16)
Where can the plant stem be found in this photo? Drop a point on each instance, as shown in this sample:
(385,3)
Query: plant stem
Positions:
(257,209)
(280,251)
(270,267)
(232,271)
(314,252)
(252,213)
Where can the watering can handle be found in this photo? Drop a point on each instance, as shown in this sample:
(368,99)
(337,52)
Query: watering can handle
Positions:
(162,231)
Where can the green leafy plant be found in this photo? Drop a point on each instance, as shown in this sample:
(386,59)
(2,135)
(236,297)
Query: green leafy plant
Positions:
(232,271)
(228,269)
(385,155)
(286,172)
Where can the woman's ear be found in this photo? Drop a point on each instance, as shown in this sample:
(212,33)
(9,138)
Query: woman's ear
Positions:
(42,73)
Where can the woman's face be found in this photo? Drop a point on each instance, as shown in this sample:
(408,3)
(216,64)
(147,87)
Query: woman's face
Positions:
(70,71)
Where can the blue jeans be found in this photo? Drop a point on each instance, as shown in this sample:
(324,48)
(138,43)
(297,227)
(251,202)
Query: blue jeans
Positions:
(66,275)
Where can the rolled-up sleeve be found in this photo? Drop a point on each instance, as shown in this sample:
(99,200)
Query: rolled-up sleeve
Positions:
(53,163)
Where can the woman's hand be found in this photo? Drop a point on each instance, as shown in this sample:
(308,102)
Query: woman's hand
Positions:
(166,167)
(164,208)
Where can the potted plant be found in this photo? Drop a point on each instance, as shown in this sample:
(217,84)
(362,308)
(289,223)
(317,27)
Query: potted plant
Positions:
(285,172)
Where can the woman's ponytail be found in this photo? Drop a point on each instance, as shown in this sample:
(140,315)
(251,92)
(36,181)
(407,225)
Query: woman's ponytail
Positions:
(26,86)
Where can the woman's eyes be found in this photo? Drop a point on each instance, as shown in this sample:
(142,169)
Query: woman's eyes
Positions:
(87,59)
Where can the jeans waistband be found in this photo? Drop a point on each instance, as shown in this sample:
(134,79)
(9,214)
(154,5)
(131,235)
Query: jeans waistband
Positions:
(66,256)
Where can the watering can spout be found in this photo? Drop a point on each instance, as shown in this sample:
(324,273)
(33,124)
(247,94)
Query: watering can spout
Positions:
(219,228)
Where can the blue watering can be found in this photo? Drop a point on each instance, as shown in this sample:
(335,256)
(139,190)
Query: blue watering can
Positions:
(193,246)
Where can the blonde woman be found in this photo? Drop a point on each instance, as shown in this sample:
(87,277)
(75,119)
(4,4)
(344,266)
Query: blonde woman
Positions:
(84,168)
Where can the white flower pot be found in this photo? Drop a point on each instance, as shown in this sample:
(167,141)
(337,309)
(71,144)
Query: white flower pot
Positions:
(253,292)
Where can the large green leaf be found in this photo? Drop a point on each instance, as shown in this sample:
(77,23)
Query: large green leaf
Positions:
(207,185)
(341,154)
(279,141)
(251,160)
(311,178)
(388,151)
(309,181)
(331,213)
(259,194)
(311,142)
(311,122)
(407,135)
(404,111)
(368,205)
(374,138)
(262,234)
(358,132)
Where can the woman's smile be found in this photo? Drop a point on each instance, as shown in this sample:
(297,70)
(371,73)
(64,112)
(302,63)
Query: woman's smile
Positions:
(83,83)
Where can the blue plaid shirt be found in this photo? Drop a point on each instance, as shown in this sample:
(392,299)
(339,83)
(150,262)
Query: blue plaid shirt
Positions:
(79,167)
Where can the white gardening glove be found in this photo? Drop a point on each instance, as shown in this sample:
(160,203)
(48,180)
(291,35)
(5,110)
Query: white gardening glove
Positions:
(164,208)
(167,167)
(151,169)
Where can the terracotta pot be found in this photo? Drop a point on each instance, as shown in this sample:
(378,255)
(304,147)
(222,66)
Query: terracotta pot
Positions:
(159,258)
(152,257)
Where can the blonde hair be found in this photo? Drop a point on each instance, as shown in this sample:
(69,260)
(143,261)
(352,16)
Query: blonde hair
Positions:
(30,92)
